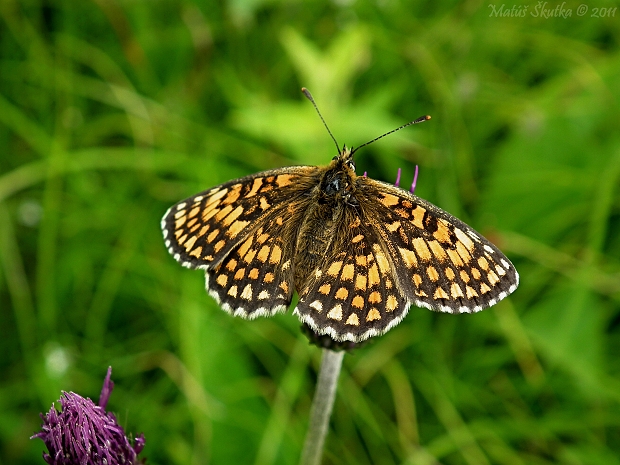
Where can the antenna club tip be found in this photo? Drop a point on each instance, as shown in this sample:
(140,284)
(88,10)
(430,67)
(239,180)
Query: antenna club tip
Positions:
(307,93)
(427,117)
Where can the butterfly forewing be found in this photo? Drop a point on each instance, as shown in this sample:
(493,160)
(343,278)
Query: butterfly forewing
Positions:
(440,262)
(201,230)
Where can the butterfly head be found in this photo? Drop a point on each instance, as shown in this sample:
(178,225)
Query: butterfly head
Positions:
(337,182)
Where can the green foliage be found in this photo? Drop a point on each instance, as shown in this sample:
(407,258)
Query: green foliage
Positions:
(110,112)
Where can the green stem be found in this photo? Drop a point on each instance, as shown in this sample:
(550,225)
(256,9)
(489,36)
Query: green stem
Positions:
(322,404)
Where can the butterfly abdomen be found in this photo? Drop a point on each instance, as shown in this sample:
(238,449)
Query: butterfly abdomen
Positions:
(315,237)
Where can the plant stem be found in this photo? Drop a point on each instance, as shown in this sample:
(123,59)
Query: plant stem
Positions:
(322,404)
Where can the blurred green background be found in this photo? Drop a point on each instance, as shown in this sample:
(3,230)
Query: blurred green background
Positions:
(113,110)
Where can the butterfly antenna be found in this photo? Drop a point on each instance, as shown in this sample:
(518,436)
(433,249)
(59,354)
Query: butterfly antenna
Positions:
(309,97)
(421,119)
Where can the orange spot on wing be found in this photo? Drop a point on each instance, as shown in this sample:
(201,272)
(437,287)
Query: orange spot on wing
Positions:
(248,257)
(212,235)
(392,303)
(373,314)
(190,243)
(455,257)
(432,273)
(276,255)
(233,195)
(438,250)
(263,254)
(421,248)
(258,182)
(373,275)
(284,180)
(223,212)
(389,200)
(418,216)
(240,274)
(236,213)
(443,232)
(460,248)
(409,257)
(440,294)
(464,238)
(217,195)
(236,228)
(222,280)
(492,278)
(196,252)
(455,291)
(347,272)
(353,320)
(393,227)
(334,269)
(471,293)
(342,293)
(374,297)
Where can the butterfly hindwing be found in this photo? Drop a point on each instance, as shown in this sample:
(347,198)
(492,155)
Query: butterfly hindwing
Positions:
(256,277)
(353,295)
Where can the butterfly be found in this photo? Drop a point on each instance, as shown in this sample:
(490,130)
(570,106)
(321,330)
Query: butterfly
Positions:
(359,252)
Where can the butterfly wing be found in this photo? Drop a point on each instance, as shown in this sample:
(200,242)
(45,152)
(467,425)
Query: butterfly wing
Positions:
(399,250)
(242,234)
(353,294)
(441,263)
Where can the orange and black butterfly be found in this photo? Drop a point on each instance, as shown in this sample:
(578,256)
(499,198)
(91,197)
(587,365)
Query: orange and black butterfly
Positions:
(359,252)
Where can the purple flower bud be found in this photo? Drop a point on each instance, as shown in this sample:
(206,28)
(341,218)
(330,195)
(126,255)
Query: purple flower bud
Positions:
(84,433)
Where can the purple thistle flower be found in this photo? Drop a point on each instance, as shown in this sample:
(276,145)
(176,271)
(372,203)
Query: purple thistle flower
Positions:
(84,433)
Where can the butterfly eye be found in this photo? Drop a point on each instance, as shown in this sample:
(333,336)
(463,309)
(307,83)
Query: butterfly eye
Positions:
(335,158)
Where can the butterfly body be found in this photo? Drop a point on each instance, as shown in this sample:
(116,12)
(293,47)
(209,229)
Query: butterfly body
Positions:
(359,252)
